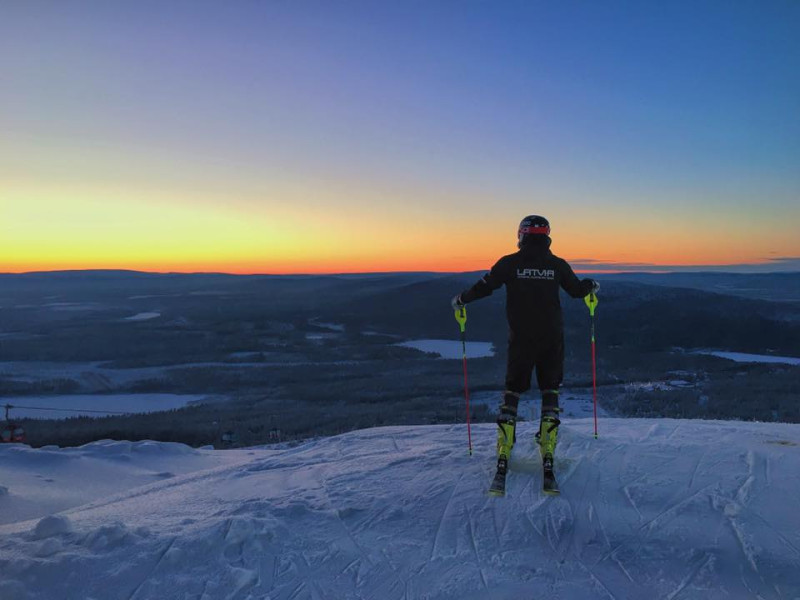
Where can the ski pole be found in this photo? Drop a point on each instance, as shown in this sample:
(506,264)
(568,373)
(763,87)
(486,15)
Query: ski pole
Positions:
(591,302)
(461,317)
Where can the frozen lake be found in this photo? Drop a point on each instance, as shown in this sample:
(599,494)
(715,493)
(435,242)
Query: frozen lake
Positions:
(451,348)
(95,405)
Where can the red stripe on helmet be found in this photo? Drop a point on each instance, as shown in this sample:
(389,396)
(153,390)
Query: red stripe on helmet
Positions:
(535,230)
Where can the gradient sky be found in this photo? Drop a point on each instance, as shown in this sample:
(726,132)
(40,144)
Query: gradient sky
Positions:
(294,136)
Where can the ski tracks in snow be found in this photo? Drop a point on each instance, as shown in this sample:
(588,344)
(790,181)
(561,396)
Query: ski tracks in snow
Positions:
(652,509)
(149,575)
(447,507)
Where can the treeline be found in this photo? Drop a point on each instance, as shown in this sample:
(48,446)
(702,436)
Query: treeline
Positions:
(249,422)
(750,393)
(327,386)
(15,387)
(332,403)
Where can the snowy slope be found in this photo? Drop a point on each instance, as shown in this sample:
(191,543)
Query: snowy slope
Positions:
(653,509)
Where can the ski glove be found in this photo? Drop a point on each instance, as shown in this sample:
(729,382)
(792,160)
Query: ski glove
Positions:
(595,286)
(456,302)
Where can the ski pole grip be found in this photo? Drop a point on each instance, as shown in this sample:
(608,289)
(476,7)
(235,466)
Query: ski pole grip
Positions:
(591,302)
(461,317)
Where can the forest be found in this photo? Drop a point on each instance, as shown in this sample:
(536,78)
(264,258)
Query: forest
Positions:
(282,358)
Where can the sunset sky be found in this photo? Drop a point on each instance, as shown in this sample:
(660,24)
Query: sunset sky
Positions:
(281,136)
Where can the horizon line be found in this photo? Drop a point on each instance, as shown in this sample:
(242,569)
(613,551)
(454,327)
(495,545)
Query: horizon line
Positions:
(743,269)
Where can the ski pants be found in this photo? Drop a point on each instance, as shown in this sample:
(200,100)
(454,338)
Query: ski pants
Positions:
(527,352)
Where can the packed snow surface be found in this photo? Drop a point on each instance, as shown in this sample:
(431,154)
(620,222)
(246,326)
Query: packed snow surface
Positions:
(652,509)
(451,348)
(753,358)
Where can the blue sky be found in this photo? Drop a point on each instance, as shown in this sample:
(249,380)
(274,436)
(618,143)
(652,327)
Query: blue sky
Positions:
(664,133)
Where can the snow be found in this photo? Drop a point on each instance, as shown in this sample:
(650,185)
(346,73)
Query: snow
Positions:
(753,358)
(143,316)
(451,348)
(316,337)
(330,326)
(96,405)
(73,306)
(245,355)
(654,508)
(657,386)
(369,333)
(45,481)
(52,526)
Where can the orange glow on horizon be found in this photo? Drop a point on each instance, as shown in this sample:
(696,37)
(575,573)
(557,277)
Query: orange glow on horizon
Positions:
(255,267)
(75,228)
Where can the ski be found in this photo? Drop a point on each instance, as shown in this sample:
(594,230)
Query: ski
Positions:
(549,483)
(498,487)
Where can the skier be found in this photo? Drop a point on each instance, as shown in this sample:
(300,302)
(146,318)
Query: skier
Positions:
(532,277)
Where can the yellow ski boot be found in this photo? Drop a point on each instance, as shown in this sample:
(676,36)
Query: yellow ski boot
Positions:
(506,436)
(506,432)
(547,437)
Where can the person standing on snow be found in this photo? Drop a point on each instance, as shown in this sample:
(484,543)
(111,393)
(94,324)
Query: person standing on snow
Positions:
(532,277)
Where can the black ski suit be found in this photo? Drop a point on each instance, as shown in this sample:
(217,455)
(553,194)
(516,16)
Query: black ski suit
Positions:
(532,277)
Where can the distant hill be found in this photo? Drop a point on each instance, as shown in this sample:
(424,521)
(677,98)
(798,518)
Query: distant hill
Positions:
(723,311)
(630,313)
(783,287)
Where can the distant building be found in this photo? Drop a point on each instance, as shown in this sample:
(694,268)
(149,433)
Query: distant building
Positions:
(12,433)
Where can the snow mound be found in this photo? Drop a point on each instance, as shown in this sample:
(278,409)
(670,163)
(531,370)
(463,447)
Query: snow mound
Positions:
(49,480)
(51,526)
(652,509)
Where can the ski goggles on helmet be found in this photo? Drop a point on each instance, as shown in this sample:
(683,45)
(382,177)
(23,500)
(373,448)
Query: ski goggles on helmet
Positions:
(537,230)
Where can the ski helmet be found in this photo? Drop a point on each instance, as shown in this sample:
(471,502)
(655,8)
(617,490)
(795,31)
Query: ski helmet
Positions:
(531,227)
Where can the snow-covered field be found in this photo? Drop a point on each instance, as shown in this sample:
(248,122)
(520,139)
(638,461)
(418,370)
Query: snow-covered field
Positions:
(652,509)
(451,348)
(752,358)
(330,326)
(143,316)
(95,405)
(70,306)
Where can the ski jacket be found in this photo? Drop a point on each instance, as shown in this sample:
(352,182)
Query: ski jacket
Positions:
(533,277)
